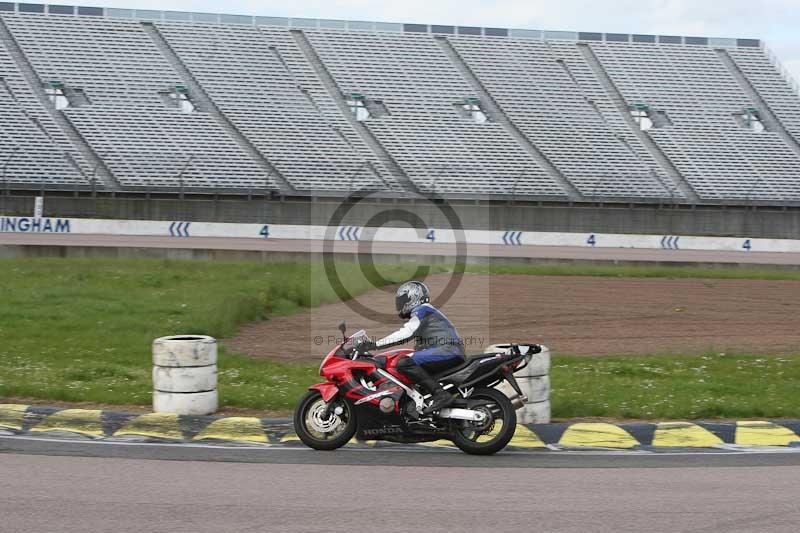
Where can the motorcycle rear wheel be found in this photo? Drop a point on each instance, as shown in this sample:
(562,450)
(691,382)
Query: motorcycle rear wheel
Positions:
(318,432)
(487,438)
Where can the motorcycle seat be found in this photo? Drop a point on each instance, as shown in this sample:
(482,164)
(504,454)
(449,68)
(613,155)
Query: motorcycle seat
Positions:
(468,360)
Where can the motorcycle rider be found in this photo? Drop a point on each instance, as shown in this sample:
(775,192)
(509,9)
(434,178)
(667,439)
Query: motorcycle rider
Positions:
(438,345)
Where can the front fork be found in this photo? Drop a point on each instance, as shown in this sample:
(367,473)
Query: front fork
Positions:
(326,411)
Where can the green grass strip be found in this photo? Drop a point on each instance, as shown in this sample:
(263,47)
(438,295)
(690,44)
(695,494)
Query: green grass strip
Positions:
(674,387)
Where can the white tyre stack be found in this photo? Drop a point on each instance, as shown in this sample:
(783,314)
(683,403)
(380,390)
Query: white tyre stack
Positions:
(185,375)
(534,381)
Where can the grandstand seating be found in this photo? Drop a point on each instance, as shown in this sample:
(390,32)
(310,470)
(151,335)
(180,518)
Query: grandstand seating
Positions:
(272,101)
(639,161)
(718,157)
(441,149)
(32,148)
(127,124)
(524,78)
(252,86)
(767,80)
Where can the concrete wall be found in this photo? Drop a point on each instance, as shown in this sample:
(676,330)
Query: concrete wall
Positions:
(639,219)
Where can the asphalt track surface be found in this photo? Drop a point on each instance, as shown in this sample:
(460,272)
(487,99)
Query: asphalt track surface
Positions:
(302,490)
(404,456)
(388,248)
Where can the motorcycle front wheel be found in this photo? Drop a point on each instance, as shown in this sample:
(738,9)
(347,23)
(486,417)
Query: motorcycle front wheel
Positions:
(319,426)
(494,433)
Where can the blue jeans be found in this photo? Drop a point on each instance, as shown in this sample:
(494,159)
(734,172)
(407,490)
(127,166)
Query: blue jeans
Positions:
(438,358)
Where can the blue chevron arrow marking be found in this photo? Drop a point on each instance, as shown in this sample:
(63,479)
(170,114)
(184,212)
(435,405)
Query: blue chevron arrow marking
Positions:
(349,233)
(670,242)
(179,229)
(512,238)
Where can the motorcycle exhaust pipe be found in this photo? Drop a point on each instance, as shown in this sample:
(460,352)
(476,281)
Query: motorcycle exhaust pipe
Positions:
(518,401)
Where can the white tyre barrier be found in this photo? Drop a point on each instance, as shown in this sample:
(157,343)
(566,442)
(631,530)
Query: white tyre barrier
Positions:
(185,375)
(535,413)
(534,381)
(195,403)
(192,379)
(185,350)
(538,388)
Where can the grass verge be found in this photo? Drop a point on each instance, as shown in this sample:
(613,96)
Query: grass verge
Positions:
(674,387)
(80,330)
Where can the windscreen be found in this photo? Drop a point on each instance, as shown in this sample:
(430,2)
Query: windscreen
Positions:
(352,341)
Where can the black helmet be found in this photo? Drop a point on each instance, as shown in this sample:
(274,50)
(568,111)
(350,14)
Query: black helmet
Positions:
(411,295)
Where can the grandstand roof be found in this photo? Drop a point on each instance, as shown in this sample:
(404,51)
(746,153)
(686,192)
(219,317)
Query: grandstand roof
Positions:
(360,25)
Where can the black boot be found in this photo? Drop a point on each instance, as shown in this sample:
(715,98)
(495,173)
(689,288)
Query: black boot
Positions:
(440,398)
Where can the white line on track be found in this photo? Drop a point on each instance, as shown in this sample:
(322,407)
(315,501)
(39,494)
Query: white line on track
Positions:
(420,449)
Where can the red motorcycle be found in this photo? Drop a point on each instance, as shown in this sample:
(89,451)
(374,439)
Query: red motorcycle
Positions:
(366,397)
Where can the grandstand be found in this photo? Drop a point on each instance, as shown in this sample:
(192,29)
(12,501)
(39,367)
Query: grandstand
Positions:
(123,100)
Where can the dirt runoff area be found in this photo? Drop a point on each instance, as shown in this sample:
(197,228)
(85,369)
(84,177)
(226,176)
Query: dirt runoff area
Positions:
(571,315)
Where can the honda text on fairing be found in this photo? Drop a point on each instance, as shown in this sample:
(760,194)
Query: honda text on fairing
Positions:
(367,397)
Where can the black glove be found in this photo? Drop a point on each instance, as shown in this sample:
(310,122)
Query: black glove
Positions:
(365,346)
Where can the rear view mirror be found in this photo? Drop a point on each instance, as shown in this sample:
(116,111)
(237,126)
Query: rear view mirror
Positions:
(343,327)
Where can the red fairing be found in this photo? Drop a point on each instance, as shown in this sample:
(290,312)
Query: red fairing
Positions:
(392,357)
(338,371)
(328,390)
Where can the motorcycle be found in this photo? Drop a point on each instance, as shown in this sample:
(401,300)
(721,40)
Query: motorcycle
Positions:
(365,396)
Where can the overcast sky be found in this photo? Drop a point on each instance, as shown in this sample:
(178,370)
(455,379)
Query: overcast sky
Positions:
(775,21)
